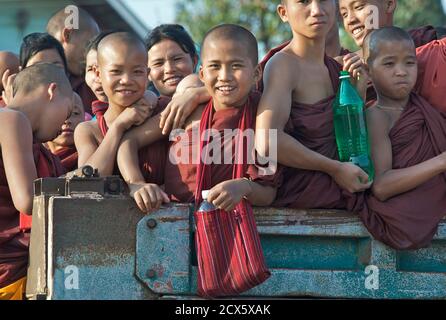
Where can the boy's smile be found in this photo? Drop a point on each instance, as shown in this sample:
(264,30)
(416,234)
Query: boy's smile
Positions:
(169,64)
(123,74)
(227,72)
(357,13)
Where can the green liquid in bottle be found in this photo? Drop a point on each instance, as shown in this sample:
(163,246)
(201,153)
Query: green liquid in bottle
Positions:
(351,127)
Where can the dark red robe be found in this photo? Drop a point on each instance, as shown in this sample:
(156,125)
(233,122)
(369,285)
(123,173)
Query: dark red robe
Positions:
(423,35)
(410,220)
(14,243)
(312,125)
(68,157)
(99,107)
(152,159)
(180,179)
(406,221)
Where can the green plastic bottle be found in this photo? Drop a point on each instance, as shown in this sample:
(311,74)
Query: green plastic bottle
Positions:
(351,127)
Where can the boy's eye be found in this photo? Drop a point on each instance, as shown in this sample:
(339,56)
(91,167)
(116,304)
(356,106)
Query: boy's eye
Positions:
(237,66)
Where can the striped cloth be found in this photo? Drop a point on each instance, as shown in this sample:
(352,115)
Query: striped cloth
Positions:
(229,253)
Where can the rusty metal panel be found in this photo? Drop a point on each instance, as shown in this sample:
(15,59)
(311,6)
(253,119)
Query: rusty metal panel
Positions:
(163,250)
(121,254)
(96,237)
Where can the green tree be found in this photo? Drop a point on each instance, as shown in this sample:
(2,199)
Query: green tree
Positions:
(259,16)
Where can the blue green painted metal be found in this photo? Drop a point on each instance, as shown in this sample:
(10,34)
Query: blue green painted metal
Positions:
(122,254)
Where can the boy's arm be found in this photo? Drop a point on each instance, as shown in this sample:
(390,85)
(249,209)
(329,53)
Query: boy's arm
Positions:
(103,156)
(148,196)
(227,194)
(391,182)
(16,145)
(187,98)
(274,112)
(128,162)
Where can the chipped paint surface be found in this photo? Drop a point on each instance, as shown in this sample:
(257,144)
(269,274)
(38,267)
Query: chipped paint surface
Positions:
(311,253)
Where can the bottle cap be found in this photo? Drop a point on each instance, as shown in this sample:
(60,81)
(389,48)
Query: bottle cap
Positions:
(344,75)
(204,194)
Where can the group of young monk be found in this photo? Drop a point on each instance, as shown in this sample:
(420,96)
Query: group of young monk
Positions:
(290,92)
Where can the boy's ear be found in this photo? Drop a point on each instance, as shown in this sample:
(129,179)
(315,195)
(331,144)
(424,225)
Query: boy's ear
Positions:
(66,35)
(258,73)
(52,90)
(281,11)
(200,74)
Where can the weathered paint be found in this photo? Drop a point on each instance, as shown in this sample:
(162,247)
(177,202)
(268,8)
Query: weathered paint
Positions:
(122,254)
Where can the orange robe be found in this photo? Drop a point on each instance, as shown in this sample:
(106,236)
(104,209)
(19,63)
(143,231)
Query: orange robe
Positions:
(431,83)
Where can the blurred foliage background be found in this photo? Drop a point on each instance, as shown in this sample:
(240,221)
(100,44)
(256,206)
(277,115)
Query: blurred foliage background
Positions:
(260,16)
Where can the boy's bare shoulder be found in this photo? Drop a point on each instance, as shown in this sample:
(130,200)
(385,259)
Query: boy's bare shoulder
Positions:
(10,118)
(89,128)
(378,118)
(14,126)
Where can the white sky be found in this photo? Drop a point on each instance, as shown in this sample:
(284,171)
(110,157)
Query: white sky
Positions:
(153,12)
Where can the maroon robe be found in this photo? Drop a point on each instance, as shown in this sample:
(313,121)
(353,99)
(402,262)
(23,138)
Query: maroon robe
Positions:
(98,106)
(152,159)
(406,221)
(423,35)
(14,243)
(312,125)
(68,157)
(410,220)
(180,179)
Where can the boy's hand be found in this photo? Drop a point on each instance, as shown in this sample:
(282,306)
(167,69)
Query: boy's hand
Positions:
(148,197)
(7,81)
(133,116)
(179,108)
(354,64)
(351,178)
(226,195)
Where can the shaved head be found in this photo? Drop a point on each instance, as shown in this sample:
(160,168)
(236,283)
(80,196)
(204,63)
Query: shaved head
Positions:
(8,60)
(119,39)
(41,74)
(386,34)
(58,22)
(73,40)
(235,33)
